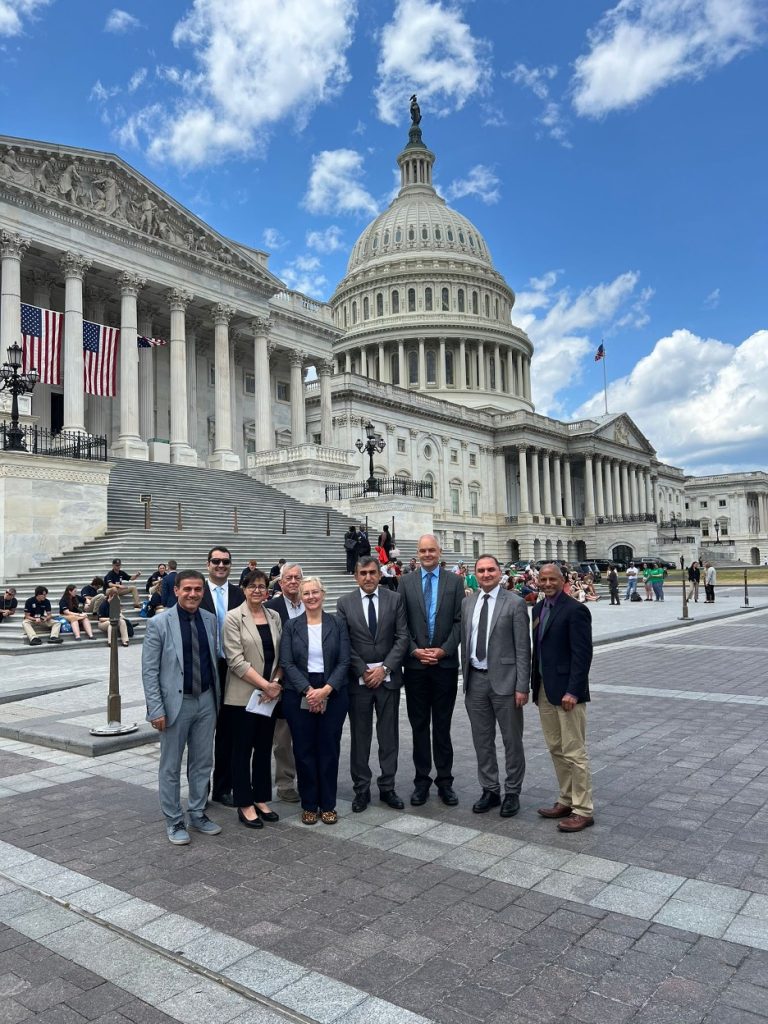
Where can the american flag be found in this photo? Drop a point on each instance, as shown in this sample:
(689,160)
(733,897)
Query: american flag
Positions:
(100,358)
(600,354)
(41,333)
(143,342)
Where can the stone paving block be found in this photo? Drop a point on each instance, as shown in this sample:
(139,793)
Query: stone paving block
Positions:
(264,973)
(464,859)
(380,838)
(43,997)
(320,998)
(420,849)
(132,914)
(411,824)
(216,951)
(693,917)
(7,885)
(172,931)
(64,883)
(44,921)
(98,897)
(489,842)
(79,940)
(18,902)
(717,897)
(570,886)
(453,835)
(658,883)
(158,980)
(593,1008)
(511,870)
(756,906)
(205,1001)
(542,856)
(627,901)
(117,959)
(749,930)
(12,1012)
(377,1011)
(257,1014)
(593,867)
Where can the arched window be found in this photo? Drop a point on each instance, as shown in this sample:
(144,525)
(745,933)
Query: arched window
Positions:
(379,304)
(395,303)
(461,236)
(438,234)
(468,370)
(449,367)
(475,307)
(431,367)
(394,369)
(366,308)
(411,234)
(450,234)
(461,300)
(413,367)
(386,237)
(428,299)
(471,240)
(354,312)
(492,375)
(488,306)
(411,300)
(445,300)
(398,236)
(424,232)
(503,375)
(375,242)
(497,308)
(345,316)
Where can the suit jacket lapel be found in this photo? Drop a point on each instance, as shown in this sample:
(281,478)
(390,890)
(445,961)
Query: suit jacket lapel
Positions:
(467,625)
(174,629)
(251,626)
(501,597)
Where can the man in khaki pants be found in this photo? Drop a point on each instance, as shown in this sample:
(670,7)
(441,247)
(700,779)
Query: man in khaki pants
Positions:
(562,655)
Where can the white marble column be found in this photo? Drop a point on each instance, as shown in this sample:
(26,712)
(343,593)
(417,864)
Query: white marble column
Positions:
(12,249)
(617,502)
(129,444)
(348,361)
(589,488)
(364,361)
(510,358)
(146,376)
(422,363)
(190,332)
(527,374)
(522,462)
(223,453)
(402,369)
(557,473)
(608,490)
(655,496)
(73,267)
(568,489)
(625,502)
(326,428)
(633,490)
(383,367)
(481,379)
(547,483)
(535,483)
(599,495)
(497,462)
(462,367)
(441,365)
(265,436)
(641,491)
(181,452)
(519,385)
(298,419)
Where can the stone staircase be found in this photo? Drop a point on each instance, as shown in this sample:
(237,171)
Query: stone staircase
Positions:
(266,526)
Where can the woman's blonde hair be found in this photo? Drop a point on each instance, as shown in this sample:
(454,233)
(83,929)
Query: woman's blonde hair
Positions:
(312,579)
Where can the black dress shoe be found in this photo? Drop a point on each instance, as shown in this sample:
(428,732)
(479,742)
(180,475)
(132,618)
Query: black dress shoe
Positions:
(256,823)
(223,798)
(488,800)
(268,815)
(448,795)
(510,806)
(361,801)
(391,799)
(419,796)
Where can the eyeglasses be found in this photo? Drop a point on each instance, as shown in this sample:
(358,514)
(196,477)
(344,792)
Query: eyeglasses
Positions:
(255,586)
(221,561)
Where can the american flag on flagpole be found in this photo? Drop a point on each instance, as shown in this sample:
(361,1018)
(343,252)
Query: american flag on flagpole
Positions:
(41,333)
(600,354)
(100,359)
(143,342)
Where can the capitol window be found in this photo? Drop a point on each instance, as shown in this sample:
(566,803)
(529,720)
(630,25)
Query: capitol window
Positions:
(411,300)
(449,368)
(496,301)
(395,302)
(450,234)
(431,367)
(394,370)
(461,300)
(445,300)
(354,312)
(475,307)
(398,236)
(411,234)
(454,454)
(283,391)
(413,367)
(461,236)
(438,235)
(473,458)
(375,242)
(424,232)
(488,307)
(474,503)
(471,240)
(401,446)
(249,383)
(366,308)
(455,500)
(379,304)
(386,237)
(427,451)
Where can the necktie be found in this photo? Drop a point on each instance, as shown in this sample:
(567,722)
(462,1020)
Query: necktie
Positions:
(221,611)
(428,602)
(481,646)
(371,615)
(195,644)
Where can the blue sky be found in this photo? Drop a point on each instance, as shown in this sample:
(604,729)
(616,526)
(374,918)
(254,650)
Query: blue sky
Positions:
(612,154)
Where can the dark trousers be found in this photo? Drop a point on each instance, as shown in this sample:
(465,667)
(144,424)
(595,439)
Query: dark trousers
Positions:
(351,560)
(430,695)
(316,747)
(615,597)
(362,701)
(222,744)
(251,756)
(709,591)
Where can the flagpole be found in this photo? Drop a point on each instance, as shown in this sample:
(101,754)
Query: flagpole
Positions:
(605,381)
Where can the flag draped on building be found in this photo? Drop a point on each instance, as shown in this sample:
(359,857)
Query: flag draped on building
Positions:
(600,354)
(143,342)
(41,334)
(100,346)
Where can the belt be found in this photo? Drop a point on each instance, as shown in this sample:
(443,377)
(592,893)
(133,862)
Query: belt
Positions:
(484,671)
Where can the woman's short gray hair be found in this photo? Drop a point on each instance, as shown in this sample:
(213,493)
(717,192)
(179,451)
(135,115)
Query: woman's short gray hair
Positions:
(312,579)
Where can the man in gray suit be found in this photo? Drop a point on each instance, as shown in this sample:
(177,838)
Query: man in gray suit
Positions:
(432,598)
(178,667)
(378,636)
(496,666)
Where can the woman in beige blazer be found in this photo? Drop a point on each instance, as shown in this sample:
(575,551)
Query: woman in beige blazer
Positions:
(251,638)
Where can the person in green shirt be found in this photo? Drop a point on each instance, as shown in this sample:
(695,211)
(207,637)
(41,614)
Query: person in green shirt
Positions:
(470,580)
(656,575)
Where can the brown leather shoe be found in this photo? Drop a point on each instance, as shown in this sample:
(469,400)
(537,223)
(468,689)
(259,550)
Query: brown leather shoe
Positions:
(558,811)
(575,823)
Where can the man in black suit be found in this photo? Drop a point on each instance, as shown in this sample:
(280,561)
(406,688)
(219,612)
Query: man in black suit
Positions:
(432,598)
(288,605)
(562,655)
(378,637)
(219,596)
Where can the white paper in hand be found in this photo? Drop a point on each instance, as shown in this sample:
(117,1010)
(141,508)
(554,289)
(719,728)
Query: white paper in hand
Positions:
(259,707)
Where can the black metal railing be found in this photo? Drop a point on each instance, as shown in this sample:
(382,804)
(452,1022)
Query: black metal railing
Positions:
(63,444)
(669,524)
(634,517)
(384,485)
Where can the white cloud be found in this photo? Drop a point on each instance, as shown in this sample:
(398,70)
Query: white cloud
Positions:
(565,328)
(255,64)
(273,240)
(429,49)
(121,21)
(712,301)
(334,184)
(480,182)
(101,93)
(330,240)
(699,400)
(304,274)
(640,46)
(13,13)
(537,80)
(137,79)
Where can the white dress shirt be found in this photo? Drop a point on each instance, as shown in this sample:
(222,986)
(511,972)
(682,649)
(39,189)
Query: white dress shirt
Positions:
(492,595)
(366,602)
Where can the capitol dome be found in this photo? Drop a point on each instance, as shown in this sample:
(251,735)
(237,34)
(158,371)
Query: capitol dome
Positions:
(421,305)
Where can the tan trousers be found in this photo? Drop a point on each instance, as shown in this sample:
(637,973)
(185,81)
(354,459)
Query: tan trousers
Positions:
(31,628)
(285,766)
(565,733)
(122,628)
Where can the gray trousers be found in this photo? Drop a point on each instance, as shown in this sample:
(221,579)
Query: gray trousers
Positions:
(485,708)
(193,729)
(362,701)
(285,766)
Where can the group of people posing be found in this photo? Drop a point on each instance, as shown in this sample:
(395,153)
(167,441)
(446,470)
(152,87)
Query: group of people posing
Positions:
(233,677)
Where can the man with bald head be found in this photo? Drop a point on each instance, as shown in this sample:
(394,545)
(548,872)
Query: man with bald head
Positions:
(432,598)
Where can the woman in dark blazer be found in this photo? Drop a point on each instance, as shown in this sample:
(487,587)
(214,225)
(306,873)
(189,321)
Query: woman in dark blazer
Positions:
(251,638)
(314,654)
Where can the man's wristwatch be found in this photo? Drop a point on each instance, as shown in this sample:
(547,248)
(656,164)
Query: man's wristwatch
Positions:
(387,672)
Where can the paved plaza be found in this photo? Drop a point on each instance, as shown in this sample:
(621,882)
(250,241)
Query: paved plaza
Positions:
(657,915)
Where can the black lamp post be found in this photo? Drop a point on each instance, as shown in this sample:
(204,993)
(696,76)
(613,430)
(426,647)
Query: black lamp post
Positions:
(373,444)
(717,532)
(674,519)
(12,379)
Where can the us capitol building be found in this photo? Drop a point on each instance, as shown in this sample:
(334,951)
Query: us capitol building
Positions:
(418,339)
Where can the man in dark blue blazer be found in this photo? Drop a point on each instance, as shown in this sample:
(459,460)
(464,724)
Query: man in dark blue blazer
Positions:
(562,655)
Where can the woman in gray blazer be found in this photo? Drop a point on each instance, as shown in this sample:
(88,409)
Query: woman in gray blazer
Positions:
(251,638)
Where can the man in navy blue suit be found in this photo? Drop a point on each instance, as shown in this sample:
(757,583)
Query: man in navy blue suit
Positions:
(562,655)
